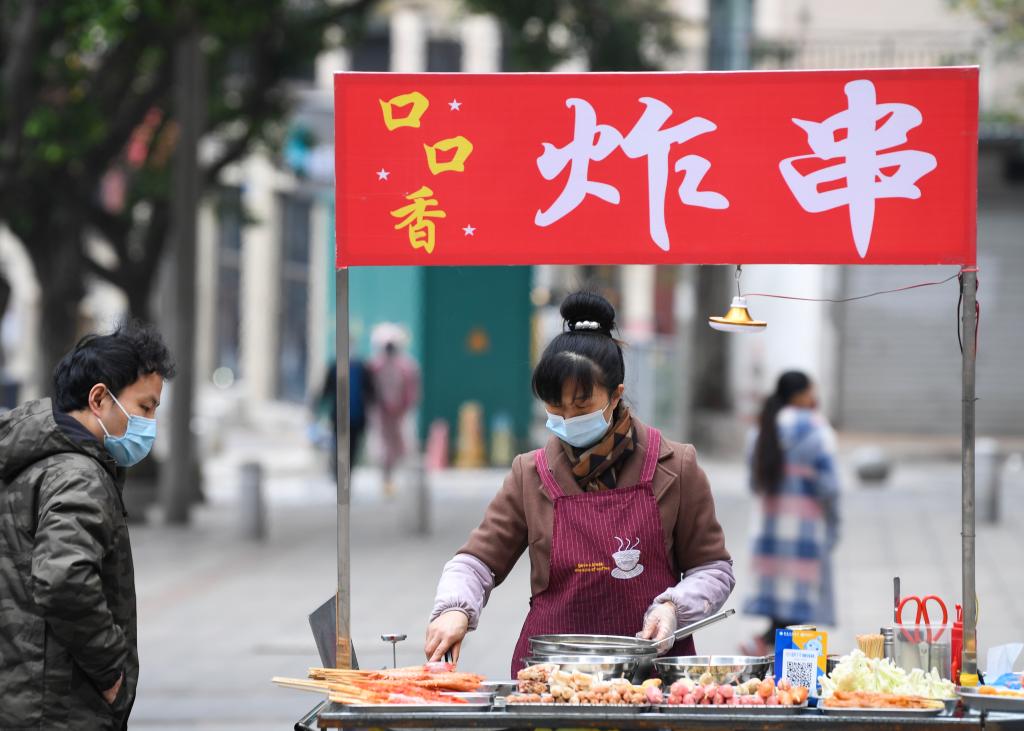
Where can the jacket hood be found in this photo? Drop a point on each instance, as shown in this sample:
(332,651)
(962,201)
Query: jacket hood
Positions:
(29,433)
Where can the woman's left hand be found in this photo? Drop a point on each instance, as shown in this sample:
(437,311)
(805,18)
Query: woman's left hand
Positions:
(660,624)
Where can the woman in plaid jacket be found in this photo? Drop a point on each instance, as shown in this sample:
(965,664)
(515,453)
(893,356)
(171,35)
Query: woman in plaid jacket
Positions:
(793,474)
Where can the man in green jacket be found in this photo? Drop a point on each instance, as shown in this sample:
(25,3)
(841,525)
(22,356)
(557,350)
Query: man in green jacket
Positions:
(68,652)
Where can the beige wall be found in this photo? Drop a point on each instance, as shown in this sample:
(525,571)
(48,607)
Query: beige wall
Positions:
(839,17)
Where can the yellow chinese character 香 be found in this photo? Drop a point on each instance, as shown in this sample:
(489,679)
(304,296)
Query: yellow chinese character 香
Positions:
(417,218)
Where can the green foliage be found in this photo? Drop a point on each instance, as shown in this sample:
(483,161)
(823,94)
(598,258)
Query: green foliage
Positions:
(613,36)
(1003,18)
(88,88)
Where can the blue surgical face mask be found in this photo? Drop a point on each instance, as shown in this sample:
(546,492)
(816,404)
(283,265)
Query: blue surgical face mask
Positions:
(133,446)
(579,431)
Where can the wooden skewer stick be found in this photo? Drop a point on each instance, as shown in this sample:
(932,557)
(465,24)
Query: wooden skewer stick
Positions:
(318,686)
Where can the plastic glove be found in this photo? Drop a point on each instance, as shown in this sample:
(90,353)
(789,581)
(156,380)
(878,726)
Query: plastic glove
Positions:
(659,624)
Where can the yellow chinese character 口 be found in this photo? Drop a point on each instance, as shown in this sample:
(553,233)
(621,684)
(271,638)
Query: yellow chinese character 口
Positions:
(412,119)
(462,147)
(417,218)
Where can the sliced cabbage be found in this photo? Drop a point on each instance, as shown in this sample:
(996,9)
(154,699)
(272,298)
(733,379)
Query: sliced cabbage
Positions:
(856,671)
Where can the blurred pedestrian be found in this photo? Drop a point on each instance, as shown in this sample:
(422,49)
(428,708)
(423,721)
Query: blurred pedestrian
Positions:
(796,527)
(68,649)
(360,399)
(396,388)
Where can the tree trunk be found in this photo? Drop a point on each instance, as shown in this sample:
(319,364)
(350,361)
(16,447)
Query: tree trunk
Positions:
(138,291)
(55,248)
(5,298)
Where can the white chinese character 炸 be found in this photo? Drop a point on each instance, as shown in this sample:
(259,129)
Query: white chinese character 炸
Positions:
(594,142)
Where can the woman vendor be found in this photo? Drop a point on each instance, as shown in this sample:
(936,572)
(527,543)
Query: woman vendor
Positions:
(619,522)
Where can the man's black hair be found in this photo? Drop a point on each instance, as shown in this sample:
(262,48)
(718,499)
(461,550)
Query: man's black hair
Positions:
(117,360)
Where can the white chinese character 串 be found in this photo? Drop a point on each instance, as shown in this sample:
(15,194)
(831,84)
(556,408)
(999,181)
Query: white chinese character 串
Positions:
(863,167)
(648,139)
(594,142)
(578,154)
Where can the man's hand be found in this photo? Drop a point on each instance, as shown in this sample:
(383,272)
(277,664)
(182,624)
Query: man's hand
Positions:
(446,633)
(110,695)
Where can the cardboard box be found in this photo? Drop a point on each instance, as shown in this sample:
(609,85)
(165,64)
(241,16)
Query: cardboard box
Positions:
(800,655)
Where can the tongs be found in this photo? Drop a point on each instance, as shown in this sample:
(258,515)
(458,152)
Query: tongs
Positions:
(683,632)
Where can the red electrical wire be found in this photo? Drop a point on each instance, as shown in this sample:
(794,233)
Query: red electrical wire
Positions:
(858,297)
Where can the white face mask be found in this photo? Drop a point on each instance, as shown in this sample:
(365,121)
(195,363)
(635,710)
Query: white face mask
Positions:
(579,431)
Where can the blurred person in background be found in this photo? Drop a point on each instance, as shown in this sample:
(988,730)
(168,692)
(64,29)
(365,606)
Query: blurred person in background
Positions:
(68,650)
(619,523)
(792,458)
(396,389)
(360,399)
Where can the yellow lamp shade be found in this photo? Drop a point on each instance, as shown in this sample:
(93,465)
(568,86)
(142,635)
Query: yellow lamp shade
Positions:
(737,319)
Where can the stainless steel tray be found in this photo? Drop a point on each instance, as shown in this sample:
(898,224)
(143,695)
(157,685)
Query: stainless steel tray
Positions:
(417,708)
(712,709)
(476,697)
(566,709)
(994,703)
(882,712)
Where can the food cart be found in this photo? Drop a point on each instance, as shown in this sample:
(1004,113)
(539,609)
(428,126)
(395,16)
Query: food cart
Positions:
(843,167)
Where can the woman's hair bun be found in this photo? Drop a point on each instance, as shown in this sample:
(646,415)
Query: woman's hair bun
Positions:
(588,307)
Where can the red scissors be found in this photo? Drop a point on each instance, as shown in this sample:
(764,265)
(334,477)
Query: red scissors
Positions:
(922,617)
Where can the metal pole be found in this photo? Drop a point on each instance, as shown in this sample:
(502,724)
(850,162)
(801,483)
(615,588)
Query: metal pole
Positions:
(344,629)
(969,665)
(180,472)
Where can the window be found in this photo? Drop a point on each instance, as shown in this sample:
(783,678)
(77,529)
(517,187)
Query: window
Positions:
(444,55)
(293,324)
(372,52)
(228,314)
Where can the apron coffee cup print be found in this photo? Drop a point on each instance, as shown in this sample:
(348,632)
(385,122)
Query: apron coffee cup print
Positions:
(627,561)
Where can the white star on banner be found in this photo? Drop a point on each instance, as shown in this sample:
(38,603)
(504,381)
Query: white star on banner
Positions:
(468,230)
(455,105)
(382,174)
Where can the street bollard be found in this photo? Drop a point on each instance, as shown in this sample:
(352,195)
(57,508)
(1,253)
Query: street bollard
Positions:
(251,507)
(988,464)
(422,496)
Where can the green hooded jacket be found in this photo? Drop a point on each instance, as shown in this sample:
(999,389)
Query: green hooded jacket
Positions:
(67,585)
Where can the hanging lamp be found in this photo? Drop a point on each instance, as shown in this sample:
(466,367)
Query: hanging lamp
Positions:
(737,319)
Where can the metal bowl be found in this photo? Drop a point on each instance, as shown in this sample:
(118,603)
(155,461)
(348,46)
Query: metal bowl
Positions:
(723,668)
(602,667)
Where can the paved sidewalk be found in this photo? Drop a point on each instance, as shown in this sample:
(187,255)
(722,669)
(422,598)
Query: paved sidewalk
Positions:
(219,616)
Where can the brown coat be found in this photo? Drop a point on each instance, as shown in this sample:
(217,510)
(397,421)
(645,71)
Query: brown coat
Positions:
(521,515)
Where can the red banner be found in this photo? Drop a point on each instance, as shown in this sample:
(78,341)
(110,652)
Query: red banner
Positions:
(829,167)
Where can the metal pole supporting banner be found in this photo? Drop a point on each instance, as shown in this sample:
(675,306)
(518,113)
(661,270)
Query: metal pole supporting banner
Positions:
(969,665)
(344,603)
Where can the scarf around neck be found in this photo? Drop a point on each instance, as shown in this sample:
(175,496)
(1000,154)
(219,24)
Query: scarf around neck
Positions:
(597,467)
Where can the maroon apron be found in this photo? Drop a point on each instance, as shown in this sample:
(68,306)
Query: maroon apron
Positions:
(608,561)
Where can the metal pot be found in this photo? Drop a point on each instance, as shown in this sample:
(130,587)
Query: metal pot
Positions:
(723,668)
(642,651)
(642,654)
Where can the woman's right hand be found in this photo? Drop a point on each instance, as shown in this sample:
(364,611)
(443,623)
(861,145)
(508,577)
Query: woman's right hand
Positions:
(446,633)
